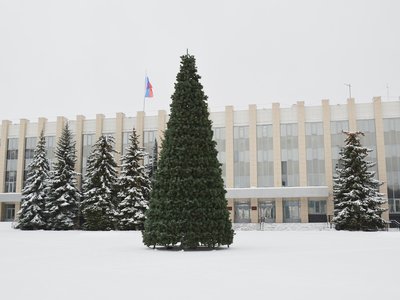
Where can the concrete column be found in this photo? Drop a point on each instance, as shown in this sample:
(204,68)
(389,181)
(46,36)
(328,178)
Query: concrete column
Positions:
(17,208)
(304,210)
(118,136)
(276,128)
(3,152)
(61,121)
(79,147)
(380,150)
(279,210)
(162,125)
(302,158)
(302,143)
(41,125)
(229,146)
(21,155)
(140,127)
(253,213)
(99,126)
(326,111)
(351,110)
(253,144)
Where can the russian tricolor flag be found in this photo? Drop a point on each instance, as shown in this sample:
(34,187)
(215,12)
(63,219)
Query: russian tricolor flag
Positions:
(149,89)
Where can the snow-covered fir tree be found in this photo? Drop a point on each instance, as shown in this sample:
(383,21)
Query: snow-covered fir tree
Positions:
(32,215)
(98,207)
(134,188)
(357,201)
(63,200)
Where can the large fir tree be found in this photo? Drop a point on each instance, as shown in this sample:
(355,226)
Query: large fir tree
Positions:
(63,200)
(188,205)
(134,188)
(32,215)
(357,201)
(98,206)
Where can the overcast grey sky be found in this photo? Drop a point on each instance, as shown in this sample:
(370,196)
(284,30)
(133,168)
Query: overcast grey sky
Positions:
(90,56)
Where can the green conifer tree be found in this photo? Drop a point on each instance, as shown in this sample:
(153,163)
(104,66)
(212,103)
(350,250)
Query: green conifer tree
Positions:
(133,188)
(64,196)
(357,201)
(187,204)
(32,215)
(98,207)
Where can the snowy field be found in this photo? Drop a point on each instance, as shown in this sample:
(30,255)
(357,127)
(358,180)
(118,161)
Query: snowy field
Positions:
(259,265)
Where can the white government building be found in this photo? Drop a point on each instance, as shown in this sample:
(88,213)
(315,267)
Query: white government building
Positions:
(277,162)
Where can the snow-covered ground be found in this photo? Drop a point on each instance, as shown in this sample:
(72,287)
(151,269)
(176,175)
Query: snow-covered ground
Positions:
(259,265)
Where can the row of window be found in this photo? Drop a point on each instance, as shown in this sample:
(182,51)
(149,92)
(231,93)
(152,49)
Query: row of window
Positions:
(267,210)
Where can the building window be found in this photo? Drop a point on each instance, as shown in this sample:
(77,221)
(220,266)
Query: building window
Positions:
(290,155)
(265,156)
(219,138)
(337,140)
(242,211)
(149,138)
(50,148)
(315,154)
(87,143)
(317,207)
(11,165)
(392,150)
(30,146)
(266,211)
(291,211)
(125,141)
(369,141)
(241,156)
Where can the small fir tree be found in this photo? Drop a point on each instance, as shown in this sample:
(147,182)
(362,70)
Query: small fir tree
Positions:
(357,201)
(32,215)
(134,188)
(63,202)
(98,206)
(188,205)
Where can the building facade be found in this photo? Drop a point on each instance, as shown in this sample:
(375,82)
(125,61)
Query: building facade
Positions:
(277,163)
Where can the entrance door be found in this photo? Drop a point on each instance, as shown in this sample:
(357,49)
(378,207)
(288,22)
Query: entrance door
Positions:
(291,211)
(10,212)
(266,211)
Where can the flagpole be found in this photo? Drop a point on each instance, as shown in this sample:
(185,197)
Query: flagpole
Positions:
(144,97)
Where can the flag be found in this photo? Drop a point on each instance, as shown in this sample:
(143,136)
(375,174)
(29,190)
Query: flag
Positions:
(149,89)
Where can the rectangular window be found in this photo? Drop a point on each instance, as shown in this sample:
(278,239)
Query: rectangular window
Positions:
(337,140)
(149,138)
(30,146)
(50,148)
(369,141)
(289,155)
(265,156)
(125,141)
(315,154)
(88,141)
(317,207)
(241,156)
(219,138)
(392,150)
(242,211)
(11,165)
